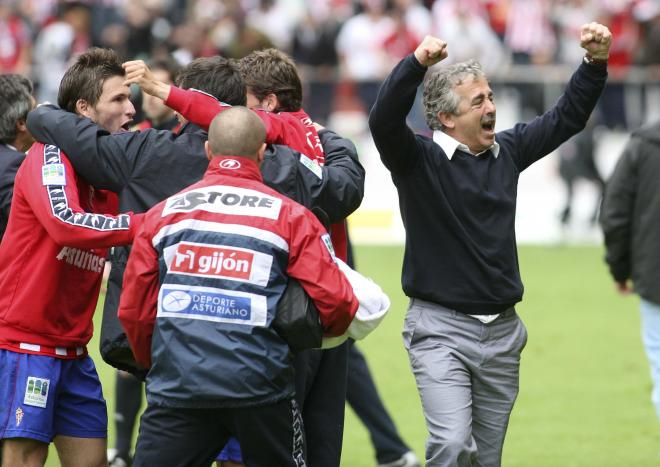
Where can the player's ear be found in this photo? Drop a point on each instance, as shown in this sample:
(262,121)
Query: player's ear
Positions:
(271,102)
(83,108)
(261,153)
(207,149)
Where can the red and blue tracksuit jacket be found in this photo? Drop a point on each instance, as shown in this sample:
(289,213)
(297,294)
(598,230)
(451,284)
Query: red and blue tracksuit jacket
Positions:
(202,284)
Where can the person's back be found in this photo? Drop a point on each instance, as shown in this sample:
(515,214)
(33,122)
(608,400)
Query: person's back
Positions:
(204,278)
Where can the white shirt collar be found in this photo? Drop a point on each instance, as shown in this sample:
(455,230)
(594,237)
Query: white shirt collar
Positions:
(10,146)
(449,145)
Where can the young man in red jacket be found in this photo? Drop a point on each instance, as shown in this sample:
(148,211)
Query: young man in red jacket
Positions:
(51,266)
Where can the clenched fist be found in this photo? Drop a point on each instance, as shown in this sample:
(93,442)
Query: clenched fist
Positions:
(596,40)
(431,51)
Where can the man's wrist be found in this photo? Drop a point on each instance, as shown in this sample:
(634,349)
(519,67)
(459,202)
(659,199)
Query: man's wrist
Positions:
(162,90)
(595,60)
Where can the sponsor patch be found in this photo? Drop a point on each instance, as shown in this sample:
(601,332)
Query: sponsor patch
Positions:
(36,391)
(312,165)
(226,200)
(232,263)
(53,174)
(211,304)
(325,238)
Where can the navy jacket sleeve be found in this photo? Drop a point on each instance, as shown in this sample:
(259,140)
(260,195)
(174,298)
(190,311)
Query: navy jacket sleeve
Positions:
(396,143)
(107,161)
(97,156)
(617,212)
(336,187)
(343,177)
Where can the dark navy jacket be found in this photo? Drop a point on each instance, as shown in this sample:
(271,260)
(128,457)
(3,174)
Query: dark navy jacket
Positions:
(459,214)
(10,161)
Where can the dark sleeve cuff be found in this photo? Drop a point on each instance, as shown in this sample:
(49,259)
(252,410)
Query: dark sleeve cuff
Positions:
(412,60)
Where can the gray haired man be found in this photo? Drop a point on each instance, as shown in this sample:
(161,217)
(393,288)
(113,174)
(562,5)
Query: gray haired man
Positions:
(457,194)
(16,101)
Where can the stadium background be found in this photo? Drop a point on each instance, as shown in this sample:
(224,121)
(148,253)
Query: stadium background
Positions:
(584,389)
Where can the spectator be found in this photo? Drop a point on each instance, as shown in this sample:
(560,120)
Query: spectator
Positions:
(617,15)
(157,114)
(313,48)
(417,17)
(577,160)
(531,40)
(464,24)
(57,45)
(360,48)
(15,41)
(276,19)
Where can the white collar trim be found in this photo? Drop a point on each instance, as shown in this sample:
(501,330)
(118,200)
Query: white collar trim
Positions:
(449,145)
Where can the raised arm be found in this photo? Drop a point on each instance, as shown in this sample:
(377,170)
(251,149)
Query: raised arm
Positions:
(200,108)
(394,140)
(570,114)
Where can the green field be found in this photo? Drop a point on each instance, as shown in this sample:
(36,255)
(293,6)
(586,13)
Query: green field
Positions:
(584,391)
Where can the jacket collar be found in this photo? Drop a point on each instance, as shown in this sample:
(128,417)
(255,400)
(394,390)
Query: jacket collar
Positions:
(234,166)
(449,145)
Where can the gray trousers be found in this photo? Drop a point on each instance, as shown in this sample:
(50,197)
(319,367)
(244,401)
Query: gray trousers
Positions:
(467,376)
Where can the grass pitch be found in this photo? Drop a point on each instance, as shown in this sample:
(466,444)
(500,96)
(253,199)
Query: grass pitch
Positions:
(584,389)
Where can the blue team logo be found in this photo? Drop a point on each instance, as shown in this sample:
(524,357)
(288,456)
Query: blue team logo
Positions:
(212,304)
(176,300)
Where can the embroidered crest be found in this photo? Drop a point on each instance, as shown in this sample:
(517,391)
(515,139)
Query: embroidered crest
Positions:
(19,416)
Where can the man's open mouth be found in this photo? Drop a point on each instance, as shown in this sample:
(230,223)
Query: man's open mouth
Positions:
(488,126)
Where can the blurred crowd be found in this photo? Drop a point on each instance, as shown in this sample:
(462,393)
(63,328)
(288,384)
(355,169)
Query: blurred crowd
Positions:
(343,47)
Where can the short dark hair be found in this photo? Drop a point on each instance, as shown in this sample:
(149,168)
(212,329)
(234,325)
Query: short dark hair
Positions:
(85,78)
(271,71)
(15,103)
(169,65)
(217,76)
